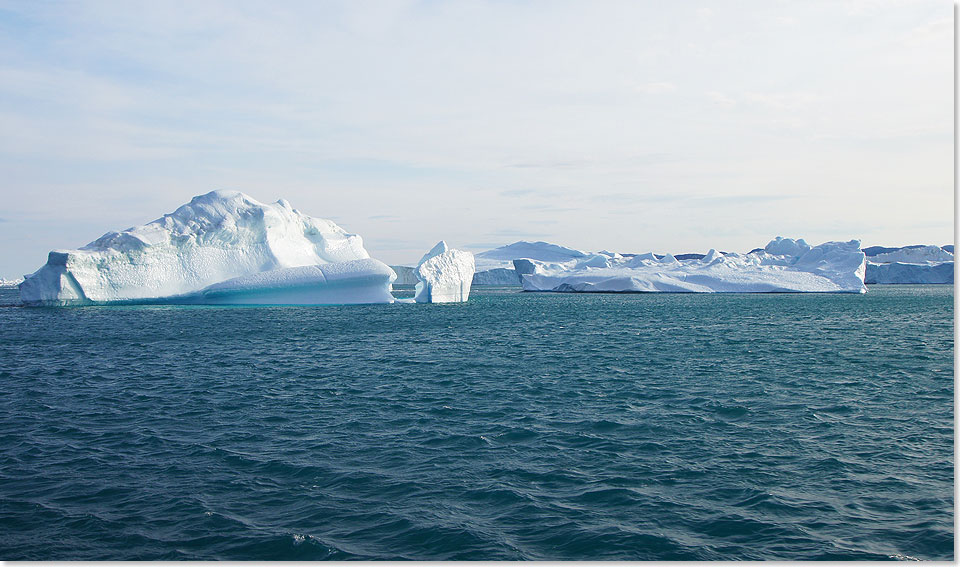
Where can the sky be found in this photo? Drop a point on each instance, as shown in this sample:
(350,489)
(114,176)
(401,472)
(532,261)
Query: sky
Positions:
(627,126)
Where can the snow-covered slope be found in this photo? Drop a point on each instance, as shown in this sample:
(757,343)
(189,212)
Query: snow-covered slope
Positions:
(445,275)
(784,265)
(220,236)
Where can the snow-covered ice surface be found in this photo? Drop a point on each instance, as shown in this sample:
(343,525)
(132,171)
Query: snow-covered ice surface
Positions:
(445,275)
(913,255)
(921,264)
(784,265)
(221,247)
(10,283)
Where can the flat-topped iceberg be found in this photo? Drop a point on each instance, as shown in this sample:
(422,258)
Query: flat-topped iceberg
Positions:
(222,247)
(784,265)
(918,264)
(445,275)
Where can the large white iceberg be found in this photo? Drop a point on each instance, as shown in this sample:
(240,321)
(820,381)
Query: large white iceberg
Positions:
(920,264)
(445,275)
(222,247)
(784,265)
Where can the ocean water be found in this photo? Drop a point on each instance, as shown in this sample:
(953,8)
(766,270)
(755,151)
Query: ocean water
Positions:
(516,426)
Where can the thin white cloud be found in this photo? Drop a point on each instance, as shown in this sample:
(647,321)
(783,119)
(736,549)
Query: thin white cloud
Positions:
(789,101)
(720,98)
(656,87)
(119,112)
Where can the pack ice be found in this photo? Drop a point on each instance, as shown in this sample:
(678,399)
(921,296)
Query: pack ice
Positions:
(222,247)
(784,265)
(917,264)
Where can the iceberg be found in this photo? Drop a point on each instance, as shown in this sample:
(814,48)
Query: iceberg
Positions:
(445,275)
(918,264)
(784,265)
(10,283)
(503,256)
(906,273)
(495,267)
(221,247)
(916,254)
(497,276)
(405,275)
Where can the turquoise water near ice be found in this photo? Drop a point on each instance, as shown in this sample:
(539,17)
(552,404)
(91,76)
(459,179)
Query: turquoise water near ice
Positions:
(515,426)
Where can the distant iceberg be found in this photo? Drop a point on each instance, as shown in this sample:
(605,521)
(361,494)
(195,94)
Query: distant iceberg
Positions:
(222,247)
(918,264)
(495,267)
(784,265)
(10,283)
(504,256)
(405,275)
(497,276)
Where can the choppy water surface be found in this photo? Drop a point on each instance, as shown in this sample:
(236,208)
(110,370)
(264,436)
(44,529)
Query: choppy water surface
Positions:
(516,426)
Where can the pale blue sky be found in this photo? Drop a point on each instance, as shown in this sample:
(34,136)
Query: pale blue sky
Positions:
(629,126)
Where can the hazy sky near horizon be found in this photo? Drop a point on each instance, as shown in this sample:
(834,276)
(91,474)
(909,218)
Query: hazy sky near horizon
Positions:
(629,126)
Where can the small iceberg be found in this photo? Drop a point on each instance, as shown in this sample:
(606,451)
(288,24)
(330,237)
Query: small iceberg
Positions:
(444,275)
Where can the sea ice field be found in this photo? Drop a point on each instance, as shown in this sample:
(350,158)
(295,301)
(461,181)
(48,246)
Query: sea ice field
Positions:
(515,425)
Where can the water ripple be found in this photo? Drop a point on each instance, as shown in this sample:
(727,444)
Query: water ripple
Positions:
(516,426)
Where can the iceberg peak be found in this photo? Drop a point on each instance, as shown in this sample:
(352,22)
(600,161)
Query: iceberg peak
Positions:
(786,247)
(438,249)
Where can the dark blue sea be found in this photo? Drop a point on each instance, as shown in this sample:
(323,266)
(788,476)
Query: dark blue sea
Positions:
(515,426)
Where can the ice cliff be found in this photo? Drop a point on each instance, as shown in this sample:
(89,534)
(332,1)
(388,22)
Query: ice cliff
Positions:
(784,265)
(444,275)
(222,247)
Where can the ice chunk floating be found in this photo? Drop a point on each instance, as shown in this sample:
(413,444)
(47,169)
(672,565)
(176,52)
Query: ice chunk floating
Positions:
(222,247)
(445,275)
(784,265)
